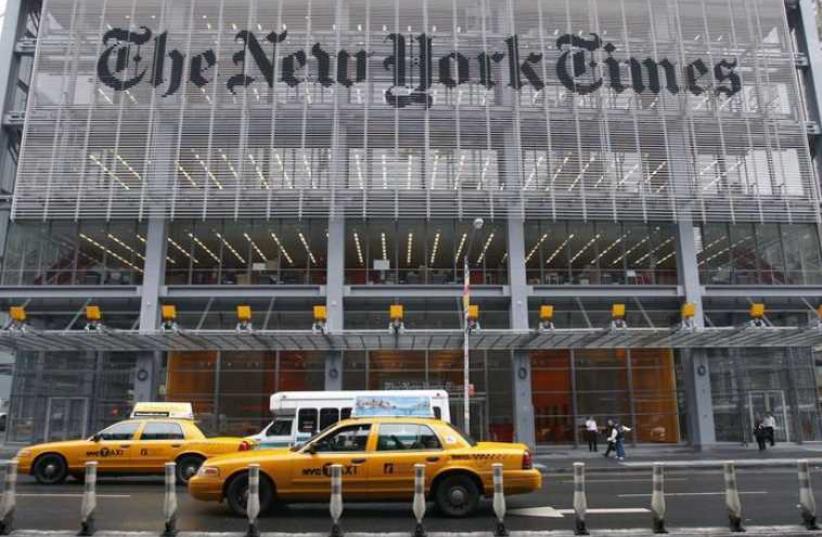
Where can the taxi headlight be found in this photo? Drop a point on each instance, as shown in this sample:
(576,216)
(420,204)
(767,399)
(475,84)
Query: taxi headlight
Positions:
(208,471)
(24,453)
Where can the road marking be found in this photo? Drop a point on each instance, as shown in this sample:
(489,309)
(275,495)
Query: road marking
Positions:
(69,495)
(691,494)
(550,512)
(718,462)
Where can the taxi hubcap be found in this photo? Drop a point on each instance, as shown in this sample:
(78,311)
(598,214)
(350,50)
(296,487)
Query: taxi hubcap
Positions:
(457,496)
(50,469)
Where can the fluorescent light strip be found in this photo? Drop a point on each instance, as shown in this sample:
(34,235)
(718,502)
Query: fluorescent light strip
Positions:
(649,254)
(559,249)
(126,246)
(409,248)
(106,97)
(359,248)
(384,249)
(208,172)
(231,249)
(610,247)
(108,172)
(129,168)
(629,174)
(631,250)
(229,164)
(282,248)
(559,171)
(434,171)
(458,177)
(307,248)
(536,247)
(410,170)
(712,244)
(181,250)
(109,252)
(186,174)
(256,248)
(435,248)
(587,245)
(485,247)
(461,246)
(259,171)
(611,166)
(384,173)
(282,169)
(723,174)
(581,173)
(534,172)
(667,257)
(656,171)
(359,170)
(204,247)
(724,250)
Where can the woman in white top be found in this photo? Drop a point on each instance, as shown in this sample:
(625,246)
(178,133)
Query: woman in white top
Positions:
(591,433)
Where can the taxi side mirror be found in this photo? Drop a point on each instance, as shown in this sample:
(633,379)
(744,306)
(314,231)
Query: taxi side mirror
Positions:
(312,449)
(97,437)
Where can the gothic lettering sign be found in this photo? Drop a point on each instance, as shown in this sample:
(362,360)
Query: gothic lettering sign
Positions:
(125,63)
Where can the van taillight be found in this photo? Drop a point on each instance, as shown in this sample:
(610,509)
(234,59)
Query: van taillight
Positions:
(244,446)
(527,461)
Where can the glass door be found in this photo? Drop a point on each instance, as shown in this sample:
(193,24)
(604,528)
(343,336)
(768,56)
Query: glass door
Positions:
(763,402)
(66,418)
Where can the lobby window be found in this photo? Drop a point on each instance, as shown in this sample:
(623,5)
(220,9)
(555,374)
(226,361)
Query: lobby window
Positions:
(576,253)
(71,253)
(753,254)
(274,252)
(412,252)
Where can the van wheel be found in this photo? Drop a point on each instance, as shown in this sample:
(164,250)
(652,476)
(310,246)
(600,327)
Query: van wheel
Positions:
(237,494)
(50,469)
(187,466)
(457,496)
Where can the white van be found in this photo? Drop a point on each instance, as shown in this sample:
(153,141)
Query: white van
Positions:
(300,415)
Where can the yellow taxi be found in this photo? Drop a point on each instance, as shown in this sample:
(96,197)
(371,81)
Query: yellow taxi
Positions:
(378,455)
(157,433)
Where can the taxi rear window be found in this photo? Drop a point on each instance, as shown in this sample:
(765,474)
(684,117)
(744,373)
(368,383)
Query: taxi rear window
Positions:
(162,431)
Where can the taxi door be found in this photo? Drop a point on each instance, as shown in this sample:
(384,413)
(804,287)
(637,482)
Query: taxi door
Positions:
(160,442)
(113,448)
(398,447)
(311,467)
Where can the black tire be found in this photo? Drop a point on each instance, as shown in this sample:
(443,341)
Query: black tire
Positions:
(50,469)
(457,496)
(187,466)
(236,494)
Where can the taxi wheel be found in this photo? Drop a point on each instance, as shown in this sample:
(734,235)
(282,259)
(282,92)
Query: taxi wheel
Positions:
(50,469)
(237,494)
(457,496)
(187,466)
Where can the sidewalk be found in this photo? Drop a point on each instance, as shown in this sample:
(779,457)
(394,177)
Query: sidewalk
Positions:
(562,459)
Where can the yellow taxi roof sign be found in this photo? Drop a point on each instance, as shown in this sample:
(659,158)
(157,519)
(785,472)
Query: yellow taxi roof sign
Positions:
(163,410)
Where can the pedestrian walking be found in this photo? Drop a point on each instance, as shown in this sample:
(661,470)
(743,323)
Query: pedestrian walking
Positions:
(620,440)
(611,438)
(591,433)
(769,423)
(760,433)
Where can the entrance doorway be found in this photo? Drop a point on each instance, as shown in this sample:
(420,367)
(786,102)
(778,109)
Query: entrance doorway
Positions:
(773,401)
(66,418)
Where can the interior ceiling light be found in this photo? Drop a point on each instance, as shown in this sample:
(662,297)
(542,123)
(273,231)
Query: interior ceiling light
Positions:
(307,248)
(559,249)
(359,249)
(582,173)
(631,250)
(461,246)
(658,248)
(125,246)
(610,247)
(485,248)
(182,250)
(129,168)
(585,247)
(204,247)
(534,172)
(255,247)
(536,247)
(409,248)
(259,171)
(435,248)
(108,172)
(384,249)
(109,252)
(186,174)
(287,181)
(208,172)
(282,248)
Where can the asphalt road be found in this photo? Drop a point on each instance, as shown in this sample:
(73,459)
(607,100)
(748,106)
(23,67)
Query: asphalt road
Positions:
(694,498)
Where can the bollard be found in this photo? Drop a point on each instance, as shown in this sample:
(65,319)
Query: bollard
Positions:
(9,500)
(419,499)
(170,501)
(252,504)
(807,503)
(732,501)
(580,500)
(499,501)
(336,506)
(89,500)
(658,499)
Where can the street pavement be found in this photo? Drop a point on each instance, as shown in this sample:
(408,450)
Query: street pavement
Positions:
(695,498)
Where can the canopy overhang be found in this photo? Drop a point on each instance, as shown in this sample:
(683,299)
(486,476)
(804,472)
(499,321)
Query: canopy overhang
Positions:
(421,340)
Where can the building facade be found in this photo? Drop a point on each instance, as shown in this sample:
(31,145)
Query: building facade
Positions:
(288,154)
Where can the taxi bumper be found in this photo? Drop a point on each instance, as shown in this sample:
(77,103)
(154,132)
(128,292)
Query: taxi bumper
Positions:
(521,481)
(209,489)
